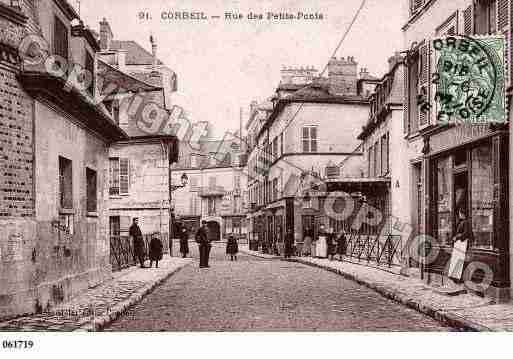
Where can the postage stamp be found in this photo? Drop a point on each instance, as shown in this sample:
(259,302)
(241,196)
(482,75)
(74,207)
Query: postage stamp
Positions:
(469,78)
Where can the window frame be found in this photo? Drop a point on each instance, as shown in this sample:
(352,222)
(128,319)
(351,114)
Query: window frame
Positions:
(59,25)
(65,183)
(309,138)
(91,190)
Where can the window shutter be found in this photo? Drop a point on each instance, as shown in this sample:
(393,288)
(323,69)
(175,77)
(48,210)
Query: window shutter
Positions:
(502,14)
(124,224)
(60,38)
(468,20)
(423,82)
(406,100)
(124,175)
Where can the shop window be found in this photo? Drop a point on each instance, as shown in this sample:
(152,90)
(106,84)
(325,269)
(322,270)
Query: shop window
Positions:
(91,190)
(444,200)
(65,183)
(482,197)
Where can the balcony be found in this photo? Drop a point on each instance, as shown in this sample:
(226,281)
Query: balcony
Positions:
(211,191)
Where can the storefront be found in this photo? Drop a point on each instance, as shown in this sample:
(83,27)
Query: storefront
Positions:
(466,169)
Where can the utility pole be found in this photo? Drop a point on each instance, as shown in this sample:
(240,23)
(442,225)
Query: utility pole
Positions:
(171,224)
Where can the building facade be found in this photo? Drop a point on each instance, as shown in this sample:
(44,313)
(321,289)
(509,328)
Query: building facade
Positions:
(55,139)
(461,166)
(133,80)
(310,127)
(215,191)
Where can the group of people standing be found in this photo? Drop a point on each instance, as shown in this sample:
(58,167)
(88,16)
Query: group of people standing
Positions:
(155,251)
(327,245)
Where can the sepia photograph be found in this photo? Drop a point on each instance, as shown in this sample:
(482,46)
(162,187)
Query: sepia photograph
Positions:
(289,170)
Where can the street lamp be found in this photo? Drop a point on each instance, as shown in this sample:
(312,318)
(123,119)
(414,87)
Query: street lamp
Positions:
(184,179)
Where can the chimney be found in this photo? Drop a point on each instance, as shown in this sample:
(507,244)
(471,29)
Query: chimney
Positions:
(106,35)
(154,70)
(342,76)
(364,73)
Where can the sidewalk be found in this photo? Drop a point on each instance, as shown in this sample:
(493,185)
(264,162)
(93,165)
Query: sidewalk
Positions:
(99,306)
(465,311)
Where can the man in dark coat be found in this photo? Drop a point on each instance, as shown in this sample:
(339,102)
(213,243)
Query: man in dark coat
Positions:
(232,247)
(184,240)
(204,244)
(138,242)
(289,244)
(155,251)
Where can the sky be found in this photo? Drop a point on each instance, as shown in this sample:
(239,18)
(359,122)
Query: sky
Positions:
(223,65)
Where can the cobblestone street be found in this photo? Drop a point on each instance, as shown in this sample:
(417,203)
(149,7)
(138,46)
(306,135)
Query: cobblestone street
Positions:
(259,294)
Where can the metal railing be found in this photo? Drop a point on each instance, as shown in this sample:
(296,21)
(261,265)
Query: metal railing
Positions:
(122,249)
(383,250)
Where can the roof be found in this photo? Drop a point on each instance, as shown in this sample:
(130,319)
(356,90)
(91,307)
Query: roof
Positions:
(110,74)
(136,54)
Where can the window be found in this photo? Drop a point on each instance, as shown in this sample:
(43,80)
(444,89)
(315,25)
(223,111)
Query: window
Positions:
(485,17)
(376,159)
(119,176)
(236,181)
(194,162)
(275,148)
(65,183)
(60,38)
(91,190)
(275,189)
(114,225)
(385,165)
(309,138)
(194,183)
(89,66)
(211,206)
(371,161)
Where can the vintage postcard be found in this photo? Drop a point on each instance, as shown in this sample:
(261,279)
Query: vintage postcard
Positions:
(254,166)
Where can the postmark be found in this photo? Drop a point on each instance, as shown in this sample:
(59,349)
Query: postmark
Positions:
(469,79)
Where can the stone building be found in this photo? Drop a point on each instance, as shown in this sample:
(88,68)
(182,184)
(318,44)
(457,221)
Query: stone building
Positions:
(138,165)
(308,128)
(217,182)
(55,139)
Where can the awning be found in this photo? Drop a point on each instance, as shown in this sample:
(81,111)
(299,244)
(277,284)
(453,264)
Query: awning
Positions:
(356,184)
(114,82)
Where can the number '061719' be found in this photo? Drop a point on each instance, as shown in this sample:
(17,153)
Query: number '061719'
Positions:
(17,344)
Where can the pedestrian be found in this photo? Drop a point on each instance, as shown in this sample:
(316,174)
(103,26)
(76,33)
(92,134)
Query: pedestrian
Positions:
(184,240)
(232,247)
(341,244)
(289,243)
(138,242)
(307,243)
(155,250)
(321,249)
(203,244)
(330,244)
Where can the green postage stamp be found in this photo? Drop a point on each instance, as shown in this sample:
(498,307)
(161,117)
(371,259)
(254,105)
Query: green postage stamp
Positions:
(469,78)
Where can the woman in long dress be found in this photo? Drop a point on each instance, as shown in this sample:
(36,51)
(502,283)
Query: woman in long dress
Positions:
(322,247)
